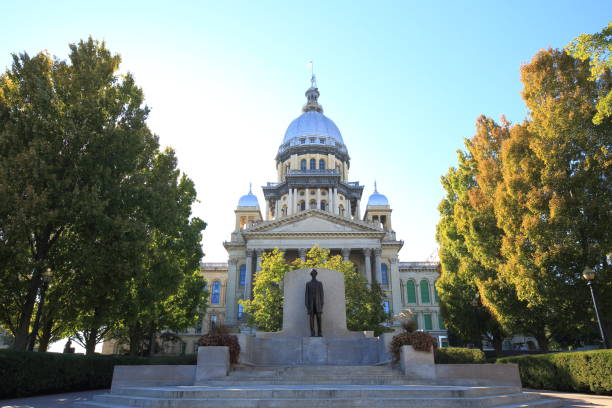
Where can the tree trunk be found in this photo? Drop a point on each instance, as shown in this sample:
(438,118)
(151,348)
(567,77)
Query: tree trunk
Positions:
(542,341)
(23,329)
(134,338)
(45,336)
(91,340)
(151,341)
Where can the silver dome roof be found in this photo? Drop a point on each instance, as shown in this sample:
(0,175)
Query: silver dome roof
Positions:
(377,199)
(248,200)
(313,124)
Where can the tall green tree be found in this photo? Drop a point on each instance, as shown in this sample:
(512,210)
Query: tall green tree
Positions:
(364,310)
(597,50)
(70,132)
(166,291)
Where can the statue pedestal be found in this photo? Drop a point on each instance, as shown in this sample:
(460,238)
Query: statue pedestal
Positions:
(289,351)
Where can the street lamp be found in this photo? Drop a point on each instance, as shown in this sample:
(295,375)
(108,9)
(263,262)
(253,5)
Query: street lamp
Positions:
(589,275)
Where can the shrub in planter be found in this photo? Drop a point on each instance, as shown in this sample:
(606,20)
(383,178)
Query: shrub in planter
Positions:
(420,341)
(219,336)
(458,355)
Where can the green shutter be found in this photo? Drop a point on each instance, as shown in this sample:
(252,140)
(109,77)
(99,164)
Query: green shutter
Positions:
(441,322)
(411,291)
(425,291)
(436,294)
(427,320)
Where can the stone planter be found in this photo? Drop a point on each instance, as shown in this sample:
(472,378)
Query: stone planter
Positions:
(417,364)
(213,362)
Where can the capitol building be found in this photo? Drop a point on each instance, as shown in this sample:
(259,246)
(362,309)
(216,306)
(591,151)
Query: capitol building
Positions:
(314,202)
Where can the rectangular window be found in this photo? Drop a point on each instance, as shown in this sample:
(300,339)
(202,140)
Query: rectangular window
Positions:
(427,321)
(387,307)
(411,291)
(436,294)
(242,275)
(441,322)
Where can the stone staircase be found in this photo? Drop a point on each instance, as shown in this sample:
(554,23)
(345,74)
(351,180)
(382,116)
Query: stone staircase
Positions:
(317,386)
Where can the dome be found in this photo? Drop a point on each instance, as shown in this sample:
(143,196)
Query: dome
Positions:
(248,200)
(377,199)
(313,124)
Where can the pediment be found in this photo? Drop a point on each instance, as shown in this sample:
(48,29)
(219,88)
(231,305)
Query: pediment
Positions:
(313,221)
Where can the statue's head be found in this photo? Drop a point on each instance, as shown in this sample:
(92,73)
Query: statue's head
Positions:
(313,273)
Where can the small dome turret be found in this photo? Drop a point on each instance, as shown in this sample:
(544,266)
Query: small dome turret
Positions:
(248,200)
(377,199)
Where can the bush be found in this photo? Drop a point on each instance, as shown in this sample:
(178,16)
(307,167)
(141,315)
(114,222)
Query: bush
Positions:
(25,373)
(219,336)
(420,341)
(458,355)
(584,371)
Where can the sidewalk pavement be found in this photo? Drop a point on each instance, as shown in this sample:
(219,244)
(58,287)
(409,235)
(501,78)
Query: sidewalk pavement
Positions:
(66,400)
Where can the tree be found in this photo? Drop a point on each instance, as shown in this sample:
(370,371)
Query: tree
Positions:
(458,285)
(554,204)
(70,133)
(166,291)
(597,50)
(364,310)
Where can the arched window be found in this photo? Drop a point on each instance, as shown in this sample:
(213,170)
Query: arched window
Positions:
(322,164)
(284,210)
(410,292)
(341,210)
(384,271)
(216,293)
(424,291)
(303,164)
(313,164)
(240,311)
(324,205)
(242,275)
(302,205)
(312,205)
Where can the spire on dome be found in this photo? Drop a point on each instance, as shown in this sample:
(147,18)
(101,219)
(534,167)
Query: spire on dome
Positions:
(250,188)
(375,189)
(312,94)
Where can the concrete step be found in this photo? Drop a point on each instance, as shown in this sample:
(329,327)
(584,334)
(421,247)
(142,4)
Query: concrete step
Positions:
(313,391)
(542,403)
(481,402)
(321,400)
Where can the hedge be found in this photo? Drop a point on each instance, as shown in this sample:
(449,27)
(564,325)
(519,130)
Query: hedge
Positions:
(457,355)
(583,371)
(25,373)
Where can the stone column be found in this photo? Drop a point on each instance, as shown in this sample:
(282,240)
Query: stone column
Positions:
(249,271)
(318,198)
(377,266)
(230,294)
(397,289)
(331,203)
(302,252)
(336,201)
(267,210)
(277,209)
(368,265)
(346,253)
(358,211)
(258,252)
(290,202)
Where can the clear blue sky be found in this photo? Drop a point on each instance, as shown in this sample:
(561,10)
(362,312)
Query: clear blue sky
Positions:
(404,81)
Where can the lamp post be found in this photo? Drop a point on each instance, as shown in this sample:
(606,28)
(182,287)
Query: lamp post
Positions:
(589,275)
(46,278)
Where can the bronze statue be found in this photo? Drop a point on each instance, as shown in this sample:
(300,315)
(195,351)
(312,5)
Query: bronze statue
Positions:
(314,302)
